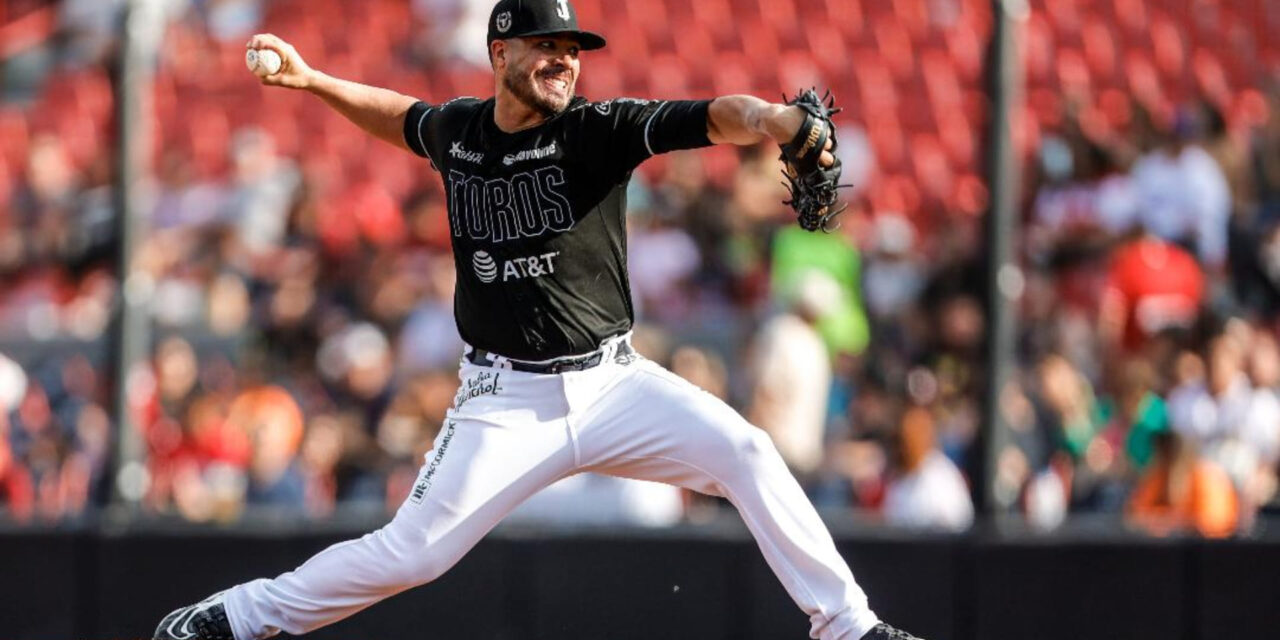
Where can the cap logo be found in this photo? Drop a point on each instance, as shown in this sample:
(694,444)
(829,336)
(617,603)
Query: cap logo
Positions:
(503,22)
(562,9)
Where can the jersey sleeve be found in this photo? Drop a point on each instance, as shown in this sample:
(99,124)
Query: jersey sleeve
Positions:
(639,129)
(424,123)
(416,127)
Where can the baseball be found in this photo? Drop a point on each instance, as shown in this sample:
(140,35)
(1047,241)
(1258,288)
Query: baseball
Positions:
(264,62)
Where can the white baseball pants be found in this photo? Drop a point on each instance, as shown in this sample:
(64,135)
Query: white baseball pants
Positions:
(510,434)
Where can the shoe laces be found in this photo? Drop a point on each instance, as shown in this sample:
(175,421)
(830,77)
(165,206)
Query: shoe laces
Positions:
(889,633)
(212,624)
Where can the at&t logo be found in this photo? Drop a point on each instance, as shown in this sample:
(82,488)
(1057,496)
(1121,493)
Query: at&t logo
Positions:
(486,269)
(515,268)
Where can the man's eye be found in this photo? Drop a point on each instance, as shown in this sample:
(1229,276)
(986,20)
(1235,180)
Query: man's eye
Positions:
(573,51)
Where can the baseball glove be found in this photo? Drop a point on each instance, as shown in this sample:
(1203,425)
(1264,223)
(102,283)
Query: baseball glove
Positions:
(813,187)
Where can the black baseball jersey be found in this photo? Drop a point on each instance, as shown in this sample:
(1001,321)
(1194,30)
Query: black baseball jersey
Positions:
(538,216)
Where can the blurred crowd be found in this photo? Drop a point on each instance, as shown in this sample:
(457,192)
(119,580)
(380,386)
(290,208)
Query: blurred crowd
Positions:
(304,352)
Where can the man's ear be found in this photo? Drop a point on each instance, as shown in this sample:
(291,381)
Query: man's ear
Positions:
(497,51)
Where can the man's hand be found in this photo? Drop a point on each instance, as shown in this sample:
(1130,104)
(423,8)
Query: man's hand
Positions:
(294,72)
(784,123)
(812,172)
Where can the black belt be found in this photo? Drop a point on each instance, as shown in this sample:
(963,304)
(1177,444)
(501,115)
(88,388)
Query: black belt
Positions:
(623,354)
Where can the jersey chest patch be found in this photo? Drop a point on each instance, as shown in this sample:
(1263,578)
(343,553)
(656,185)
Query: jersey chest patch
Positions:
(526,205)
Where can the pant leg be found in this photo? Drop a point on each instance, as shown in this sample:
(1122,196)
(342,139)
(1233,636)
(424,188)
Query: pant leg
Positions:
(652,425)
(492,454)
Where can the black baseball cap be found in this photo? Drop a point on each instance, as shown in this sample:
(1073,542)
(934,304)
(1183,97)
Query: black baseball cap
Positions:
(521,18)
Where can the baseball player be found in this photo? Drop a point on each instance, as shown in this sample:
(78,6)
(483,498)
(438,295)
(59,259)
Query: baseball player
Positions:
(550,385)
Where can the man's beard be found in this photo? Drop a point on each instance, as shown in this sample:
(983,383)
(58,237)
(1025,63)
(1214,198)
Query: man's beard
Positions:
(519,86)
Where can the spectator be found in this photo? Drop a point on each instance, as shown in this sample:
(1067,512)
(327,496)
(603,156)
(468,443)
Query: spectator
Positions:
(1266,157)
(1141,412)
(1182,492)
(262,190)
(1183,194)
(429,339)
(1152,285)
(792,372)
(893,276)
(455,31)
(663,259)
(795,251)
(1225,417)
(15,483)
(274,423)
(928,491)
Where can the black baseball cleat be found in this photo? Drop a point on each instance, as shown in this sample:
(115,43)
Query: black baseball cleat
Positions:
(205,620)
(883,631)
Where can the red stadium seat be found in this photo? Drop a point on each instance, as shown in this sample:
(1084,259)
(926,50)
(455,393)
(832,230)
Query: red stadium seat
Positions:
(591,13)
(932,171)
(895,46)
(601,76)
(651,19)
(1117,107)
(1211,81)
(1167,46)
(1141,74)
(736,74)
(668,77)
(697,46)
(1239,58)
(915,112)
(976,16)
(1249,109)
(886,139)
(759,42)
(875,83)
(1099,49)
(797,70)
(6,189)
(1026,132)
(975,106)
(14,136)
(966,50)
(896,193)
(1131,15)
(717,17)
(811,13)
(781,16)
(1205,20)
(914,15)
(959,137)
(971,196)
(629,44)
(1073,72)
(847,16)
(1047,106)
(207,134)
(1037,50)
(941,80)
(1064,15)
(829,49)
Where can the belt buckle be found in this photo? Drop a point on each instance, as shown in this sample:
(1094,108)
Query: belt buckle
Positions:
(575,364)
